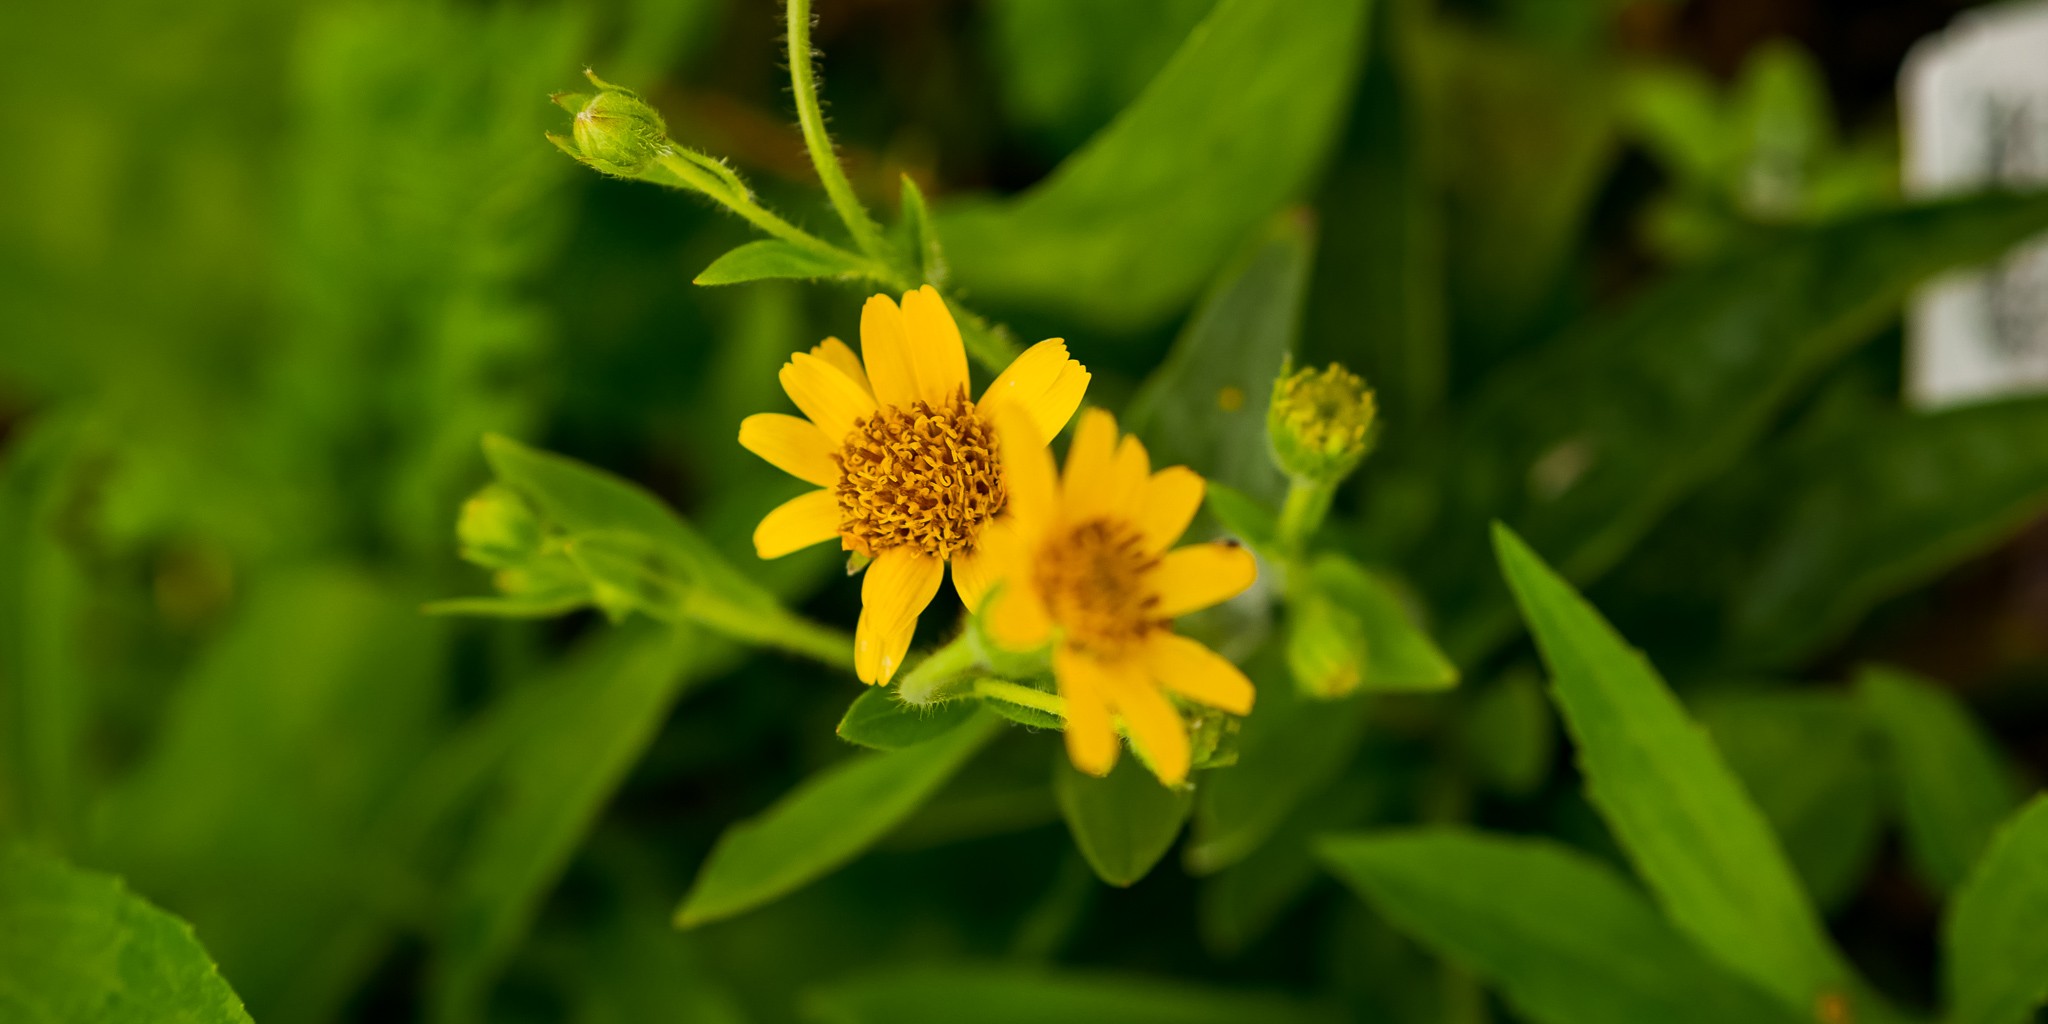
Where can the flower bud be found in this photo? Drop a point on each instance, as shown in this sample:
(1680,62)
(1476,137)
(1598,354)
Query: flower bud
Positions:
(1320,422)
(498,529)
(1325,646)
(614,130)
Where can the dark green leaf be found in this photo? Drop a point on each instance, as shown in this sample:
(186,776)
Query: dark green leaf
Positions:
(878,720)
(1563,938)
(1509,736)
(823,823)
(1205,406)
(996,995)
(1811,763)
(1585,444)
(1997,952)
(773,258)
(1954,787)
(1678,810)
(1885,507)
(1122,823)
(1126,229)
(77,947)
(1399,656)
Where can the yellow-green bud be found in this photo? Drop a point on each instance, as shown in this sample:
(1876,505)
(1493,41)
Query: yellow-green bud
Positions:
(1320,422)
(498,529)
(1325,646)
(614,130)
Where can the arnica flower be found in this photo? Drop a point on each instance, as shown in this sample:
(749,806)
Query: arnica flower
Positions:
(908,467)
(1320,423)
(1086,565)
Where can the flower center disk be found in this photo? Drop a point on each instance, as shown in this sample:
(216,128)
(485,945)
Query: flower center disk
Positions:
(1094,584)
(919,476)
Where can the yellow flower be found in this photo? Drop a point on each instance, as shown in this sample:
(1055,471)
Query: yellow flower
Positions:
(908,468)
(1084,561)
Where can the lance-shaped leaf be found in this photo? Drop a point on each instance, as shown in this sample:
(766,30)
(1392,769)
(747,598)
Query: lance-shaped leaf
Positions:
(1953,785)
(77,946)
(1694,835)
(1997,952)
(1562,937)
(1126,229)
(825,822)
(774,258)
(1122,823)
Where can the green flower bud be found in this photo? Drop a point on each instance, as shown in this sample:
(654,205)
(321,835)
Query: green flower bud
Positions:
(614,130)
(1325,646)
(498,529)
(1320,423)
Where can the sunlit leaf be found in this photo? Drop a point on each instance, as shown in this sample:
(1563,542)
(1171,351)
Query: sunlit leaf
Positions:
(823,823)
(774,258)
(1564,939)
(79,947)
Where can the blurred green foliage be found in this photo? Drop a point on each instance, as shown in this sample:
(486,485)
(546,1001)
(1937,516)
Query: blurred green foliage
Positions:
(270,274)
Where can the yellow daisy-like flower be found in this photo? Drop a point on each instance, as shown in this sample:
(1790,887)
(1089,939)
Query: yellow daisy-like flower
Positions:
(908,467)
(1084,561)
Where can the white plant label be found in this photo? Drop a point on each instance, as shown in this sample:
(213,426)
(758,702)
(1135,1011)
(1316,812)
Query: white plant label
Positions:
(1975,104)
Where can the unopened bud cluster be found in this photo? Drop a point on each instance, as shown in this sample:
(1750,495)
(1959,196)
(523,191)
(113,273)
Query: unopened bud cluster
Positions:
(1320,422)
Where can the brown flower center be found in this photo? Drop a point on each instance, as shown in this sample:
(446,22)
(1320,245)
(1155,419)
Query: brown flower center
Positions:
(1093,582)
(919,476)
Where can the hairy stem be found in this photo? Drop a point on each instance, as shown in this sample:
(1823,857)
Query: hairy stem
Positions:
(803,82)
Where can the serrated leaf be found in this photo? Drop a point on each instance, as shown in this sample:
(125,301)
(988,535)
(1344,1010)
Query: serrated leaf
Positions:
(1695,836)
(1953,784)
(1205,406)
(1399,656)
(1122,823)
(773,258)
(77,947)
(823,823)
(1009,995)
(1126,229)
(1586,443)
(1564,939)
(1996,962)
(879,720)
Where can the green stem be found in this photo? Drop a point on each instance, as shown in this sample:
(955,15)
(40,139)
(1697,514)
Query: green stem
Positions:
(803,82)
(778,629)
(1302,513)
(701,180)
(1039,700)
(928,681)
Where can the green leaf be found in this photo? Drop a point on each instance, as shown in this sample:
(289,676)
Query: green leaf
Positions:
(1811,762)
(1126,229)
(823,823)
(1205,406)
(772,258)
(584,730)
(1953,784)
(1879,510)
(1003,995)
(1671,800)
(1996,962)
(1399,656)
(1064,68)
(1289,747)
(1564,939)
(1587,443)
(1243,516)
(1122,823)
(1508,735)
(76,947)
(920,238)
(878,720)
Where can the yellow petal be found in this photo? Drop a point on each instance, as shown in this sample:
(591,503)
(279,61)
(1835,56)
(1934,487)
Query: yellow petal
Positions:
(1198,673)
(980,567)
(1044,383)
(878,654)
(1153,722)
(936,352)
(1028,473)
(829,397)
(836,352)
(1091,463)
(1091,739)
(885,348)
(791,444)
(1200,575)
(1128,475)
(1017,619)
(898,586)
(1171,498)
(798,523)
